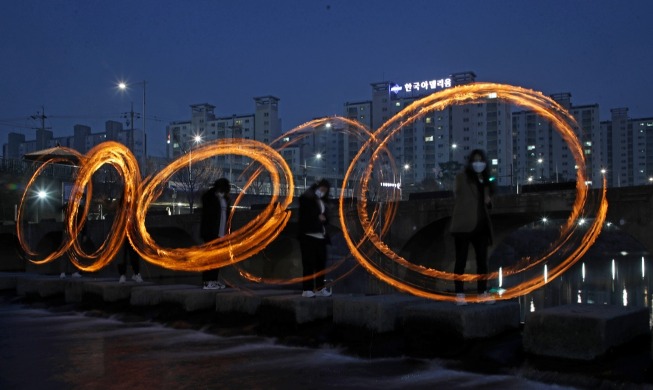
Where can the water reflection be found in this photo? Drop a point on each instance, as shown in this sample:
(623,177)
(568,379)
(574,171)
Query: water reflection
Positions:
(615,271)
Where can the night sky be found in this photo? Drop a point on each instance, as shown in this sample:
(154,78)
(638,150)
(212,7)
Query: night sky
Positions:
(314,55)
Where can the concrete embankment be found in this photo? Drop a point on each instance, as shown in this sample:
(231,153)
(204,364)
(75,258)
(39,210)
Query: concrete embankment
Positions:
(477,337)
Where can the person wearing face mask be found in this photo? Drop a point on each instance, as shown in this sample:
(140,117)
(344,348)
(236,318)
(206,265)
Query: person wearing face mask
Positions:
(470,221)
(313,238)
(215,208)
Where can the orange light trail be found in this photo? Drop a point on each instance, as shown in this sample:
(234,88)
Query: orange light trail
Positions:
(66,244)
(295,137)
(236,245)
(362,239)
(375,248)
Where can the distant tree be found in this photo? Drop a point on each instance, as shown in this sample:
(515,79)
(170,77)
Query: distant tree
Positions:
(196,177)
(448,172)
(429,184)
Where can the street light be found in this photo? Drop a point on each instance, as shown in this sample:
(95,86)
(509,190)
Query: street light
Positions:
(123,86)
(41,195)
(539,162)
(318,157)
(197,139)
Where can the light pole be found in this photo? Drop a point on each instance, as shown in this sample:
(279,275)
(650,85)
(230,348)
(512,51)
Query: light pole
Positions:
(406,168)
(539,163)
(123,86)
(197,139)
(41,196)
(454,146)
(318,157)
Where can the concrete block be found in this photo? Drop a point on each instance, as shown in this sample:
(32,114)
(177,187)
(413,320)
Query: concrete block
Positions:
(111,291)
(582,331)
(191,299)
(49,286)
(246,302)
(473,321)
(27,284)
(74,287)
(8,280)
(153,295)
(74,290)
(302,310)
(380,313)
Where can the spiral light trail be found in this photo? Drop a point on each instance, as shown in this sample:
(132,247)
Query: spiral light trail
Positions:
(363,231)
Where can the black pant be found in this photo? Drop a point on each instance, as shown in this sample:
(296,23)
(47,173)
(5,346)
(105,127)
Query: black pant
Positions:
(479,241)
(129,253)
(211,275)
(314,255)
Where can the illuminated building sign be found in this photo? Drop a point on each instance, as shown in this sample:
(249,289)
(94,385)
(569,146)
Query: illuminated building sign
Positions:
(418,88)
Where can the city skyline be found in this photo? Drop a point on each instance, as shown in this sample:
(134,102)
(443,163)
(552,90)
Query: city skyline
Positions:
(69,57)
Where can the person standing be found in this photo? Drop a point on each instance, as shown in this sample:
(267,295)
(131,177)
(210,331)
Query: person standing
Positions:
(470,221)
(215,206)
(313,238)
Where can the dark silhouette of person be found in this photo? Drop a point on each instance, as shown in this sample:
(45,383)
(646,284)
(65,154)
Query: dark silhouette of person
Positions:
(470,221)
(129,255)
(215,211)
(313,238)
(87,245)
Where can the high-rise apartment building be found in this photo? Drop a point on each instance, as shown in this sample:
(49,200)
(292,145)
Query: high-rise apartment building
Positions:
(426,149)
(542,156)
(263,125)
(82,140)
(628,149)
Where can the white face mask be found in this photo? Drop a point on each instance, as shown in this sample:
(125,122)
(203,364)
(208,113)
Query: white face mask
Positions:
(220,194)
(478,166)
(319,193)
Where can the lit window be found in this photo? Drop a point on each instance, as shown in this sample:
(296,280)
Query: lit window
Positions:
(428,138)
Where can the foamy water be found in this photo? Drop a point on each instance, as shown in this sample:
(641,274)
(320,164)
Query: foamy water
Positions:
(63,350)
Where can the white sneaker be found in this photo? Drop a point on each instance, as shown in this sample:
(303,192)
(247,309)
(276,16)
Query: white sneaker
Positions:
(487,298)
(137,278)
(211,285)
(122,279)
(62,275)
(76,275)
(460,300)
(323,293)
(308,294)
(221,285)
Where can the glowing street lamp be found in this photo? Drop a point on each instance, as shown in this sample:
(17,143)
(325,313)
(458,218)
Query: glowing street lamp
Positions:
(539,162)
(41,196)
(454,146)
(318,157)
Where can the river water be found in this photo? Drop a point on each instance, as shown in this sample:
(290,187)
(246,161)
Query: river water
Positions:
(45,348)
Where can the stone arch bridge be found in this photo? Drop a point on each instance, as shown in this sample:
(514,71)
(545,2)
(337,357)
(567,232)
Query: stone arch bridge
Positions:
(419,231)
